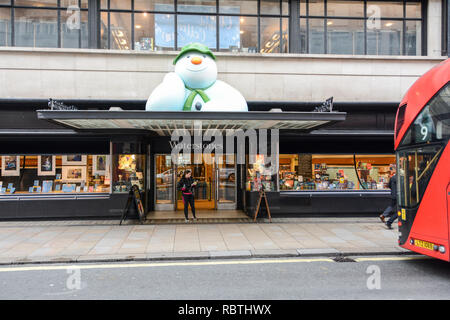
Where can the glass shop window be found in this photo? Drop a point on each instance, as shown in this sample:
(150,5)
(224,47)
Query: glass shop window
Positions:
(154,32)
(196,28)
(164,179)
(128,170)
(335,172)
(53,174)
(120,30)
(238,34)
(260,175)
(5,26)
(36,28)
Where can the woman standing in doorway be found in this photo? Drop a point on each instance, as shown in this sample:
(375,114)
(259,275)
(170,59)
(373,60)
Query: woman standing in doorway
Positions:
(186,185)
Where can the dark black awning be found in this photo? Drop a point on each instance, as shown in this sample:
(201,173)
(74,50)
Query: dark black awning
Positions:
(165,122)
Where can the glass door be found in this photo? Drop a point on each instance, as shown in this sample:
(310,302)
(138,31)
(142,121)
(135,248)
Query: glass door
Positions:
(216,183)
(204,174)
(164,182)
(226,183)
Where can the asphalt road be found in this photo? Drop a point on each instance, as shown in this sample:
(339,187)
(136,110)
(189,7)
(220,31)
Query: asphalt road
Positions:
(378,278)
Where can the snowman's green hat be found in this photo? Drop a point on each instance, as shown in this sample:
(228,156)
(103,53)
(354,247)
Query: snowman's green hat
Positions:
(198,47)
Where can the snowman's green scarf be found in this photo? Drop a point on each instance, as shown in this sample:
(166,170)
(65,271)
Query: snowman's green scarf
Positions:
(194,92)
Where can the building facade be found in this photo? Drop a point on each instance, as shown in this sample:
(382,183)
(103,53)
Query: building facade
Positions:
(285,54)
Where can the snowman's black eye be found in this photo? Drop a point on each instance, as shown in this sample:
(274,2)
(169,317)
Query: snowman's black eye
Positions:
(204,56)
(188,57)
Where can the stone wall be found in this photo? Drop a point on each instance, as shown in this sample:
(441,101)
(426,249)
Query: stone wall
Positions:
(105,74)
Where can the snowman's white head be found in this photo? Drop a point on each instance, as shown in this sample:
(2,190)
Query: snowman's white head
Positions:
(198,70)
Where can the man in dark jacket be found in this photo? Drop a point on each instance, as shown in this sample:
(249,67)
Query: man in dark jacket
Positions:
(391,210)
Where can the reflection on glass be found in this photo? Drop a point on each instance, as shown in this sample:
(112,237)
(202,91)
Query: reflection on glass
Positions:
(74,3)
(285,35)
(5,27)
(33,3)
(285,7)
(270,35)
(74,23)
(343,8)
(164,179)
(238,7)
(35,28)
(345,36)
(152,5)
(238,34)
(104,30)
(391,9)
(194,28)
(227,181)
(120,31)
(413,45)
(413,9)
(316,8)
(120,4)
(153,31)
(303,35)
(433,123)
(270,7)
(303,8)
(202,6)
(316,36)
(84,30)
(385,40)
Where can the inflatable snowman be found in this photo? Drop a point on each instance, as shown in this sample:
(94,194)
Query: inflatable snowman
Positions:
(194,85)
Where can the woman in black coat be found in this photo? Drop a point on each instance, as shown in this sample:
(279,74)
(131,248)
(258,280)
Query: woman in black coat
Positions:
(187,185)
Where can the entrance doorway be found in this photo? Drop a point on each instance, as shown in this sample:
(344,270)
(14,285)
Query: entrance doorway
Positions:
(216,188)
(203,173)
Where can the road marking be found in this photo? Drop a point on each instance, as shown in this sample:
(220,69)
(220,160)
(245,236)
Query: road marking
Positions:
(390,258)
(171,264)
(199,263)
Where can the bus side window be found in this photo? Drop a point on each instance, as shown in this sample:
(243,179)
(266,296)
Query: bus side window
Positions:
(439,130)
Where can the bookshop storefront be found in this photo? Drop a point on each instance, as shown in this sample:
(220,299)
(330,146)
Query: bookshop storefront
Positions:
(303,183)
(88,170)
(69,176)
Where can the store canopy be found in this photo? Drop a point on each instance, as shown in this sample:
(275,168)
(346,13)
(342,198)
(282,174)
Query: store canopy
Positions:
(165,122)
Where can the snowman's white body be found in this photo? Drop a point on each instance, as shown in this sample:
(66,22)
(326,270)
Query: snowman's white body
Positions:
(172,93)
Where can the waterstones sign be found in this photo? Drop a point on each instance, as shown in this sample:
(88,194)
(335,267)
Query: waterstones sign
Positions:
(262,144)
(192,146)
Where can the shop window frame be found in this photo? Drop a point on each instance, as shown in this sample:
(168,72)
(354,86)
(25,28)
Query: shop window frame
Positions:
(58,8)
(293,18)
(217,14)
(352,166)
(37,176)
(365,18)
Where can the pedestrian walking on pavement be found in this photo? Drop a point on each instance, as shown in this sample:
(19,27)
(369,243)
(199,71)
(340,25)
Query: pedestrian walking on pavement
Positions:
(391,211)
(187,185)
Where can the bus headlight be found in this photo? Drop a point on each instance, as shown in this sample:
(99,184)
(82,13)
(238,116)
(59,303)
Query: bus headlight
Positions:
(441,249)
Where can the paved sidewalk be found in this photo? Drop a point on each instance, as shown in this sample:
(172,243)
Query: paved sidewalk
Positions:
(89,241)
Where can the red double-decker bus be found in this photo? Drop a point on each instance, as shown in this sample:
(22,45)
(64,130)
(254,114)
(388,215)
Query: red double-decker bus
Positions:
(422,131)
